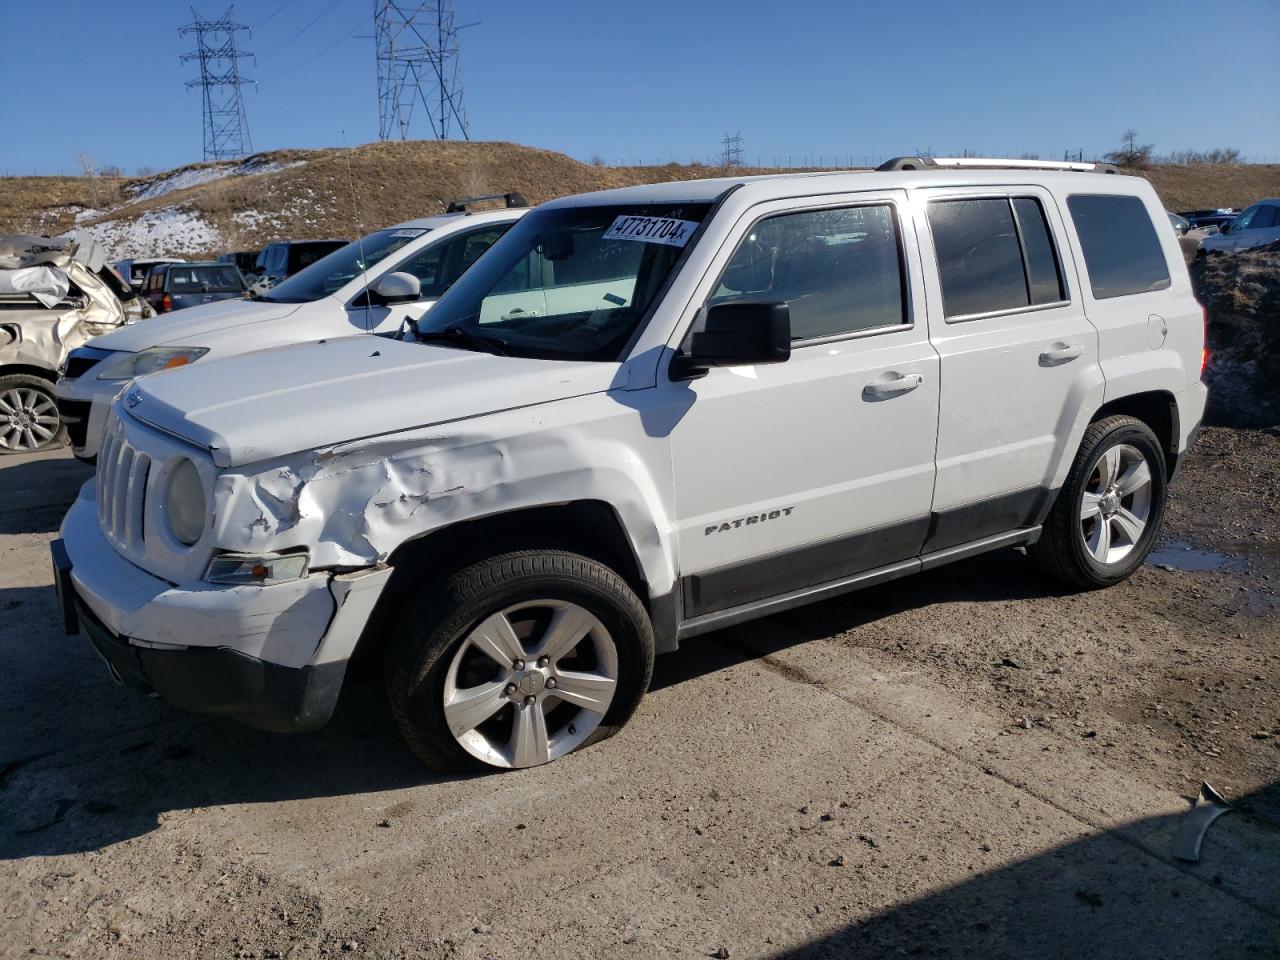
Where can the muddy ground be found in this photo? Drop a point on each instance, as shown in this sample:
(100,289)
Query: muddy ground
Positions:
(971,763)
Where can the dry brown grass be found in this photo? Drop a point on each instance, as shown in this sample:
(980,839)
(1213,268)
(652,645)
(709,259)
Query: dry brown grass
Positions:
(346,192)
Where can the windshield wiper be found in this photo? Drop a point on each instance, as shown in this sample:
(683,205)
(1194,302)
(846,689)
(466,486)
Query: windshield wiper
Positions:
(456,334)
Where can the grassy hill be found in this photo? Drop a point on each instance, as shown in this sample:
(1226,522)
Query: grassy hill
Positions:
(210,208)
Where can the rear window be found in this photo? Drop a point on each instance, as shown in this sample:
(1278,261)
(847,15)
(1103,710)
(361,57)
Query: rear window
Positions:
(1122,252)
(221,279)
(994,254)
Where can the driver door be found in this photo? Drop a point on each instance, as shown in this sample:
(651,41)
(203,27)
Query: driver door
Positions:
(820,468)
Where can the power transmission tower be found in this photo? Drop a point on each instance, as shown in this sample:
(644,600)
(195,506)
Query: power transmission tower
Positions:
(416,45)
(226,130)
(732,154)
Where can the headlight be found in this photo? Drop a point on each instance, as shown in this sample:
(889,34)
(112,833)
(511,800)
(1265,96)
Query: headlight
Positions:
(244,568)
(126,366)
(184,503)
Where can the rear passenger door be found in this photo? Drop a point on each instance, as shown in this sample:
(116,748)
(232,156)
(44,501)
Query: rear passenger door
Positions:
(1019,356)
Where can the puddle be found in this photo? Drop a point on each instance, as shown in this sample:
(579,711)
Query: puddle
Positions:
(1183,556)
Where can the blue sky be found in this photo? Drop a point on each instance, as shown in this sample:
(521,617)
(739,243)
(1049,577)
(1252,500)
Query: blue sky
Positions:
(653,80)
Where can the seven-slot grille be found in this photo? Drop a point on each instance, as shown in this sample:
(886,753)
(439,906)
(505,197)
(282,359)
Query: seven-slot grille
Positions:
(122,489)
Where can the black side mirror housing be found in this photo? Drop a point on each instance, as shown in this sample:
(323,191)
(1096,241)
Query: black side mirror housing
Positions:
(734,334)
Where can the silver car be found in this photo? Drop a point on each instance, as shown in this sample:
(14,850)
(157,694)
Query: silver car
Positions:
(1257,226)
(55,294)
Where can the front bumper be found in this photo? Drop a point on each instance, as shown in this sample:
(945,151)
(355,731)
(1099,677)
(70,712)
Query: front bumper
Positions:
(84,405)
(272,657)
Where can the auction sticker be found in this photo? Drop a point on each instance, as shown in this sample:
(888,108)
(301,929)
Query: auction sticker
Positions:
(674,233)
(409,232)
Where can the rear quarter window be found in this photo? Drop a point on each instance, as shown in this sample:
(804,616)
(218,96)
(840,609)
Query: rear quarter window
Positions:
(1122,251)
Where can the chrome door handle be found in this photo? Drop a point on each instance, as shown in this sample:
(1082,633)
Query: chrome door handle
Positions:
(1060,353)
(888,389)
(517,313)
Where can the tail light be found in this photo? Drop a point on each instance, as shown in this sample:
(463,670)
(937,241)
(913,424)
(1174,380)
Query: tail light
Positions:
(166,303)
(1204,346)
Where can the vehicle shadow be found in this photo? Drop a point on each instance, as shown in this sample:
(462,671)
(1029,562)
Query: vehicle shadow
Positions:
(1097,897)
(36,492)
(85,763)
(1003,575)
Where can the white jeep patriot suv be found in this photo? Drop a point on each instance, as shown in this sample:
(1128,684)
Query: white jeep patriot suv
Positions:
(643,415)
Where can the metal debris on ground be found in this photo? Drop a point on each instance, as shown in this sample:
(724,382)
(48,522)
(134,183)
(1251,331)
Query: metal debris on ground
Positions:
(1208,807)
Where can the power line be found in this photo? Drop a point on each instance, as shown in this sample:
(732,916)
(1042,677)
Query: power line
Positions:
(226,129)
(416,48)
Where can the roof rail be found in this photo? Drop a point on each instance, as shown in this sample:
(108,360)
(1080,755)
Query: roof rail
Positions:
(512,200)
(930,163)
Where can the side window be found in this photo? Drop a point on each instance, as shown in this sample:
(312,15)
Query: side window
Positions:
(839,271)
(1044,278)
(993,254)
(1266,217)
(426,266)
(1122,252)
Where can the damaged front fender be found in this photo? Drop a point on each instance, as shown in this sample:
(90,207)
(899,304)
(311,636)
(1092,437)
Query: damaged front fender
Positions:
(354,504)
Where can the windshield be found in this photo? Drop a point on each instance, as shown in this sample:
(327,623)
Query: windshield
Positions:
(339,268)
(567,284)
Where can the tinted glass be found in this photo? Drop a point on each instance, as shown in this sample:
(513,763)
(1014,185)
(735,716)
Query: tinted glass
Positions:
(219,279)
(544,290)
(342,266)
(979,257)
(1265,218)
(303,255)
(838,270)
(1121,249)
(439,267)
(1043,280)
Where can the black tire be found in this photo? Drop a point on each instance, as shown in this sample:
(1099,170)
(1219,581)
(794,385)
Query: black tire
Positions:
(433,626)
(1061,551)
(24,383)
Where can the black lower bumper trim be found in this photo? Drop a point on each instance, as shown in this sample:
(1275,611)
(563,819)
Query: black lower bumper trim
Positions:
(217,680)
(75,415)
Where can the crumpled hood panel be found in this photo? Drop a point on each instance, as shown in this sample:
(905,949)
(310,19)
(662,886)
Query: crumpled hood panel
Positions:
(190,327)
(310,396)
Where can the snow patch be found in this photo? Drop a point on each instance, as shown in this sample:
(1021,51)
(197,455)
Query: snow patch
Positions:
(185,179)
(167,232)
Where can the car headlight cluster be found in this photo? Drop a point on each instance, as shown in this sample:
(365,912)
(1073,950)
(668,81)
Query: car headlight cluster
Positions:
(126,366)
(184,502)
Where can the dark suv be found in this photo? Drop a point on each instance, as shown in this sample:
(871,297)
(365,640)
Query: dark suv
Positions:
(280,260)
(172,286)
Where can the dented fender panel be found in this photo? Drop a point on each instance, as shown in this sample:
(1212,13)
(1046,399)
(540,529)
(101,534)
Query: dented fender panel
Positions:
(353,504)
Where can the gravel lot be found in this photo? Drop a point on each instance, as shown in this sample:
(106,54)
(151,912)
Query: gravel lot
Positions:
(971,763)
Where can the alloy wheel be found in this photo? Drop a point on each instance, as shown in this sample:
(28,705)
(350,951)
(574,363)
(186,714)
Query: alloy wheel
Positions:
(530,683)
(1116,505)
(28,420)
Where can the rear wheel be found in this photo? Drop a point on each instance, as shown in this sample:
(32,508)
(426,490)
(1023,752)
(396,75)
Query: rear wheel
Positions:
(518,660)
(28,415)
(1107,515)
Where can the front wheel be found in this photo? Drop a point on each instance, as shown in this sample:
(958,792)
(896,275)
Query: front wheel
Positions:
(518,660)
(1107,515)
(28,415)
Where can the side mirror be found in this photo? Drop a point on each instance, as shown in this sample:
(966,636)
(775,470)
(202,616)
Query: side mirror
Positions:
(737,333)
(398,287)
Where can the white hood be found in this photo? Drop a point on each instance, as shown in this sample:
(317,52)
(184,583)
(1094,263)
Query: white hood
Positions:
(275,402)
(194,326)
